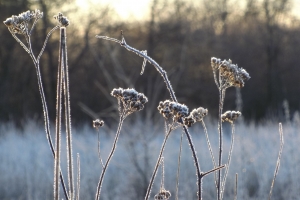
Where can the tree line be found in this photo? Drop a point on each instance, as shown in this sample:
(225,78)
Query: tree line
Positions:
(182,36)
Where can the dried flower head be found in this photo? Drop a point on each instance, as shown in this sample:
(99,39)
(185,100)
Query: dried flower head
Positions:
(231,75)
(97,123)
(195,116)
(230,116)
(132,100)
(163,194)
(62,20)
(173,109)
(19,24)
(215,63)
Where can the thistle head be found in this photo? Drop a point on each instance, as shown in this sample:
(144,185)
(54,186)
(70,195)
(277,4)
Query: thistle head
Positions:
(230,116)
(196,115)
(163,195)
(131,100)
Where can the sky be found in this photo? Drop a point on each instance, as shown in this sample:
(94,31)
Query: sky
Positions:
(136,9)
(139,9)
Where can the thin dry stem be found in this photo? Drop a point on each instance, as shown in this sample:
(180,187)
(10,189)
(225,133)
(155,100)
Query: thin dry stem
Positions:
(171,91)
(157,163)
(99,154)
(278,159)
(78,176)
(58,120)
(221,103)
(122,117)
(236,186)
(229,159)
(209,148)
(67,112)
(178,167)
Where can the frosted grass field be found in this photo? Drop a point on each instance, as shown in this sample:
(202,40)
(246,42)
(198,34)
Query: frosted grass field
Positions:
(26,163)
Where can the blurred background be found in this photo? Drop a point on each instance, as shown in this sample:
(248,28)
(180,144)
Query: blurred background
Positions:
(261,36)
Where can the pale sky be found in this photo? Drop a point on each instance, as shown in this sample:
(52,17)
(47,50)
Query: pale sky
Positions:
(125,8)
(139,9)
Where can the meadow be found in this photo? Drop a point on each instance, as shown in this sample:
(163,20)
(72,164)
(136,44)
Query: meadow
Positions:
(26,165)
(147,163)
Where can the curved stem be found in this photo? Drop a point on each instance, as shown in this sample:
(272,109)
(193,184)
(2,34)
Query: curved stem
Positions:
(169,87)
(157,164)
(122,117)
(198,171)
(45,42)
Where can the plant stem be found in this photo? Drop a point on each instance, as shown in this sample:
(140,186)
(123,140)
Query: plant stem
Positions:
(210,149)
(278,159)
(229,159)
(221,102)
(78,176)
(122,117)
(42,94)
(169,87)
(67,111)
(157,164)
(178,168)
(58,122)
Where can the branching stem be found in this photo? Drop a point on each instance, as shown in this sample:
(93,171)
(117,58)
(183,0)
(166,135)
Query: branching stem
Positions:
(171,91)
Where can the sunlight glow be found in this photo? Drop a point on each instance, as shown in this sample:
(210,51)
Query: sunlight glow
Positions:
(134,9)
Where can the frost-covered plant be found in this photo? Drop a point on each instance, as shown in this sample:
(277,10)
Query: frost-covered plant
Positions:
(226,75)
(129,101)
(20,25)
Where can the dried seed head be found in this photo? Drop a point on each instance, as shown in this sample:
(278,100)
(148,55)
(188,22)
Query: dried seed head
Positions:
(97,123)
(163,195)
(230,116)
(173,109)
(62,20)
(231,75)
(131,99)
(195,116)
(189,121)
(19,24)
(215,63)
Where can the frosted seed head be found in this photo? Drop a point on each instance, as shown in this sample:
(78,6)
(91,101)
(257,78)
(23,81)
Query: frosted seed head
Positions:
(19,24)
(163,195)
(244,74)
(8,22)
(118,93)
(97,123)
(215,63)
(230,116)
(173,109)
(132,100)
(62,20)
(189,121)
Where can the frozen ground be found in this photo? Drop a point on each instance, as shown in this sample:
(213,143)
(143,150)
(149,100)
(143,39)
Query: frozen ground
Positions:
(26,163)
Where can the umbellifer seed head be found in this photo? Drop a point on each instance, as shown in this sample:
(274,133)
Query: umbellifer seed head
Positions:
(97,123)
